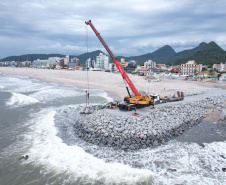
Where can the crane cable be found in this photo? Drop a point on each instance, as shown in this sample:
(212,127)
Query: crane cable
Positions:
(87,76)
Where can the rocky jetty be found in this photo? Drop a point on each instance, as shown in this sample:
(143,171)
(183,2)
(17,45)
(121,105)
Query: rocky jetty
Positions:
(149,130)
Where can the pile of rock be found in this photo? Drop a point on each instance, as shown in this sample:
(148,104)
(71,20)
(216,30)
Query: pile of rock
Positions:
(194,93)
(148,130)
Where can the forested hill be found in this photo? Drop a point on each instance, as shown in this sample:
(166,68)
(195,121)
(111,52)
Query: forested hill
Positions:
(206,54)
(32,57)
(209,54)
(162,55)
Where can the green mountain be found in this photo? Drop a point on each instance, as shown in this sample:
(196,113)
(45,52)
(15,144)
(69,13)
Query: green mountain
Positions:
(189,51)
(208,54)
(165,55)
(161,55)
(31,57)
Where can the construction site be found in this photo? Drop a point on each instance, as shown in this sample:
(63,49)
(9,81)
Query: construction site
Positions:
(146,120)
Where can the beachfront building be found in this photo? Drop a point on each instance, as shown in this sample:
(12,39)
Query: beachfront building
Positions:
(191,68)
(112,67)
(73,63)
(97,63)
(124,63)
(220,67)
(161,67)
(175,69)
(150,64)
(123,60)
(102,61)
(75,60)
(143,71)
(53,60)
(66,60)
(153,71)
(132,64)
(50,63)
(90,63)
(59,64)
(41,63)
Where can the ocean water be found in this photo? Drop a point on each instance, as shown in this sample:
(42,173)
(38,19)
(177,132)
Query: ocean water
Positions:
(39,119)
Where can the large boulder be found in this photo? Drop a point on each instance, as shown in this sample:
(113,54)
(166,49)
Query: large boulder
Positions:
(223,115)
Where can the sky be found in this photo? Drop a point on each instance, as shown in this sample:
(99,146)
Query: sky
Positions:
(129,27)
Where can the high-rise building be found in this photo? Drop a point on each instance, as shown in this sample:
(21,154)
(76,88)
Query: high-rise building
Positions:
(150,64)
(53,60)
(41,63)
(90,63)
(102,61)
(66,61)
(97,63)
(73,63)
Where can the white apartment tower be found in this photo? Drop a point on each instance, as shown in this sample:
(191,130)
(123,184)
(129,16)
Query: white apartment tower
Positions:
(150,64)
(102,61)
(66,60)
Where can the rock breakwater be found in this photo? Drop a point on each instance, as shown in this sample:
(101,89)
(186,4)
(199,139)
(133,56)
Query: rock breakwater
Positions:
(150,129)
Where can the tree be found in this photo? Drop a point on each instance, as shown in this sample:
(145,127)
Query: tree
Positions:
(204,69)
(172,70)
(195,72)
(211,72)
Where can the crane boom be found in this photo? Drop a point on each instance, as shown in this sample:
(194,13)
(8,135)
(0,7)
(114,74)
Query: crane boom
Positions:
(116,62)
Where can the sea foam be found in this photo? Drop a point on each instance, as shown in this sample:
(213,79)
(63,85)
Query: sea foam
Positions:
(49,150)
(51,94)
(19,100)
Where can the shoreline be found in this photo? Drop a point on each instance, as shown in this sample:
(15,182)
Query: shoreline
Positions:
(109,82)
(119,129)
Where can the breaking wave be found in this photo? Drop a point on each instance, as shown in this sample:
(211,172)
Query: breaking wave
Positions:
(19,100)
(50,151)
(51,94)
(172,163)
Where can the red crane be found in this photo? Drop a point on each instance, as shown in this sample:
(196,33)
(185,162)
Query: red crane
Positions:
(136,101)
(116,62)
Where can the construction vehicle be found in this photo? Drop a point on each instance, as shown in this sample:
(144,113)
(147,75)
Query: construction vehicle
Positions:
(130,102)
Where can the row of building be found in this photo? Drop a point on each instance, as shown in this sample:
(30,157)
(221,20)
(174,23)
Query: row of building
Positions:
(102,62)
(56,62)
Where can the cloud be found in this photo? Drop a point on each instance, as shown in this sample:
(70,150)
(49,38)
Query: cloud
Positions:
(61,48)
(130,27)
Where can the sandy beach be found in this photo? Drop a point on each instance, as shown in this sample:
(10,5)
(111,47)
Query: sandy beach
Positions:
(110,82)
